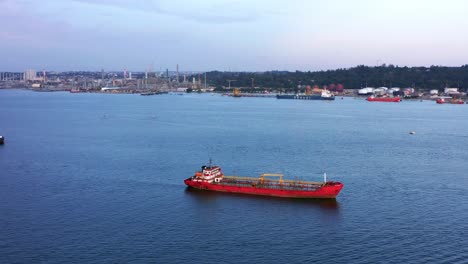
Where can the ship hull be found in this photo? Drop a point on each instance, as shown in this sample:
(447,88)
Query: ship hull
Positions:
(324,192)
(304,97)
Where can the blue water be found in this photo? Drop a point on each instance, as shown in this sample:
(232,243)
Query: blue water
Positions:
(92,178)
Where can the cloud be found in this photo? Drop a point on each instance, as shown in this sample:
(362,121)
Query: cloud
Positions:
(222,13)
(226,33)
(20,25)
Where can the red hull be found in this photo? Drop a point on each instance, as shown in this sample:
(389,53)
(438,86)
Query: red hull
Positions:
(328,191)
(384,99)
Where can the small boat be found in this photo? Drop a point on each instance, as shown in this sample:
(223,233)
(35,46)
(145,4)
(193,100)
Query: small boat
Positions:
(211,178)
(2,140)
(384,99)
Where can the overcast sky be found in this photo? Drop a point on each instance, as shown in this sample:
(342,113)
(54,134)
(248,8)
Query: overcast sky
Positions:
(245,35)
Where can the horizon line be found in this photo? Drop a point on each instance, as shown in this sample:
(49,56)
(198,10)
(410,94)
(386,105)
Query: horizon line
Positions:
(251,71)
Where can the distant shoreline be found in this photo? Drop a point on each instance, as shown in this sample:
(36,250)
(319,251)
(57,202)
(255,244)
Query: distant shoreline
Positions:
(349,93)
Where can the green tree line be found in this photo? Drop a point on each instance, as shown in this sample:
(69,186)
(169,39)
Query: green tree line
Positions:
(424,78)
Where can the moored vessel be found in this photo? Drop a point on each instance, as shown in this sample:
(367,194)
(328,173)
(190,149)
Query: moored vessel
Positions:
(323,95)
(384,99)
(211,178)
(153,93)
(451,101)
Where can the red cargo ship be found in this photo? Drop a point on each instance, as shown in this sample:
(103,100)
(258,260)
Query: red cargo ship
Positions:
(211,178)
(384,99)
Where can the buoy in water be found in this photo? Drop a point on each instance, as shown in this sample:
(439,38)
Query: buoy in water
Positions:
(412,132)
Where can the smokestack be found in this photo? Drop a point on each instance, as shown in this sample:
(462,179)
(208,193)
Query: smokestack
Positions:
(177,73)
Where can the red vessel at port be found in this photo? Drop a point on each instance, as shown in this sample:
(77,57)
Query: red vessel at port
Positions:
(211,178)
(384,99)
(452,101)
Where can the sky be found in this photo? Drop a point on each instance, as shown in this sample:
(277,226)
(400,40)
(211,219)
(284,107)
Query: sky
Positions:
(230,35)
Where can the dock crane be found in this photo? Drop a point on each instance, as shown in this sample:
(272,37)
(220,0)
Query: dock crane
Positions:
(229,81)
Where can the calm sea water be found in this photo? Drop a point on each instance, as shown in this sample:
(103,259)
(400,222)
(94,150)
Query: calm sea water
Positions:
(91,178)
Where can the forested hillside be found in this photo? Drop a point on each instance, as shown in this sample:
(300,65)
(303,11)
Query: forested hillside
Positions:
(434,77)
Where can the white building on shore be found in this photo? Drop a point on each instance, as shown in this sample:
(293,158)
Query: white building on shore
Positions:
(30,75)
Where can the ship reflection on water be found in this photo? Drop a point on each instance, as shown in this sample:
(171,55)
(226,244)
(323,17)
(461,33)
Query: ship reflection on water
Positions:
(207,197)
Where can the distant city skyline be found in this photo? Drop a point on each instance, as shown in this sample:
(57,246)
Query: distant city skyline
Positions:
(230,35)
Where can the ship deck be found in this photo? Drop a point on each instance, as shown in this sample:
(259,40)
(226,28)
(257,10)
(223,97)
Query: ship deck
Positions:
(295,185)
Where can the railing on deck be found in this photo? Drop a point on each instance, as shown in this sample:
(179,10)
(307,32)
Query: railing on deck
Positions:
(271,184)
